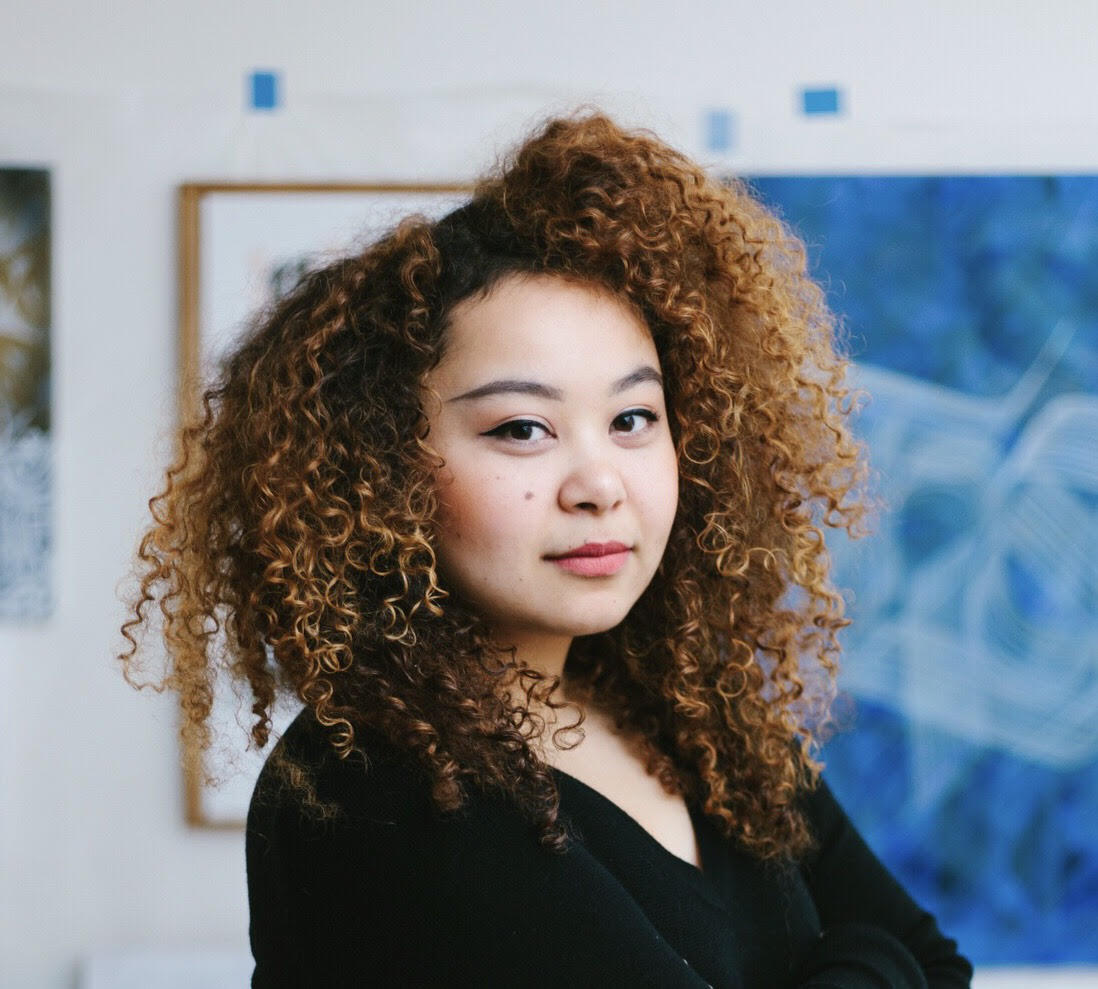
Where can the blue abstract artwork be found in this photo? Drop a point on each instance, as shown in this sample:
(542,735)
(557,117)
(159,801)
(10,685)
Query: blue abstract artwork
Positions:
(970,761)
(25,446)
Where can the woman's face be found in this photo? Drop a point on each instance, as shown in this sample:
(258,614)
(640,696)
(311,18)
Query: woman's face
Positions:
(560,481)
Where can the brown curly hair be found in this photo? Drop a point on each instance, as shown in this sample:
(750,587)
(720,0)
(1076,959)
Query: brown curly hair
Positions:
(297,521)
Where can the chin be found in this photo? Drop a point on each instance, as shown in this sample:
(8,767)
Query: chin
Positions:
(594,626)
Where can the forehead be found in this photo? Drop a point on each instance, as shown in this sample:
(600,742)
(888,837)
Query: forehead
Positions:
(545,321)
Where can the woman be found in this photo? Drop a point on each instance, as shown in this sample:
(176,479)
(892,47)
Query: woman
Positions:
(525,506)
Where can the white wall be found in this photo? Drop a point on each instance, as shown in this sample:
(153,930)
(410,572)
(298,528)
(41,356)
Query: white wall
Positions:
(125,100)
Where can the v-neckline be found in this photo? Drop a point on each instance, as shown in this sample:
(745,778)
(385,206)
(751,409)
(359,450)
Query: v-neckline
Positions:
(696,873)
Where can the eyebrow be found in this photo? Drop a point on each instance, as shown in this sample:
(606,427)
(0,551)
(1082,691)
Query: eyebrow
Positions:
(513,386)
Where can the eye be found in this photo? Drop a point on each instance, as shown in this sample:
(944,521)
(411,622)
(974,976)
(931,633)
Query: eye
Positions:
(518,430)
(635,421)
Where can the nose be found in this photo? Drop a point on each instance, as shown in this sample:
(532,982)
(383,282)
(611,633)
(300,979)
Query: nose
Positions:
(593,486)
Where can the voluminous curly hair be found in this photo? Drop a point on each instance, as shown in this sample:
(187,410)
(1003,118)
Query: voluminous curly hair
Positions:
(298,520)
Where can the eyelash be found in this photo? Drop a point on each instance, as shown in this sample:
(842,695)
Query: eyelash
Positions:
(501,430)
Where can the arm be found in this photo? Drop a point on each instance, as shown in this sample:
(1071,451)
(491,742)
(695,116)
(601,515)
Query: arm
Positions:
(872,929)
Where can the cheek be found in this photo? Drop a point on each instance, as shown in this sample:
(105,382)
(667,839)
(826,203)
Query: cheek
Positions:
(485,513)
(661,487)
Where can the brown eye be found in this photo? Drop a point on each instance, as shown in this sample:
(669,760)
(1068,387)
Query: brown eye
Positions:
(518,430)
(635,420)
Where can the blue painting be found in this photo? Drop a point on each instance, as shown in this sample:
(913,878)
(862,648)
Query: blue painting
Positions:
(25,448)
(970,759)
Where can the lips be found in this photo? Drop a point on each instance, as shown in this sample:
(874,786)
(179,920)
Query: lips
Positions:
(593,549)
(593,559)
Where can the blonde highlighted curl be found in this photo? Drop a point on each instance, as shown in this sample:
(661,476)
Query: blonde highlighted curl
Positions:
(299,518)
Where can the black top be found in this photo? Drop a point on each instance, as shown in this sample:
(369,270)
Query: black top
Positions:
(393,893)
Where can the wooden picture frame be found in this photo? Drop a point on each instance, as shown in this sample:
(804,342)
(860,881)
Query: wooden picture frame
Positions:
(240,244)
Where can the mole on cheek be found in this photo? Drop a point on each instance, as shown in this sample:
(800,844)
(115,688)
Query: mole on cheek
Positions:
(529,495)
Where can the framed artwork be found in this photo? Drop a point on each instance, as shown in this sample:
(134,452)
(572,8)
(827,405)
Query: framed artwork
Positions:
(241,246)
(971,760)
(25,451)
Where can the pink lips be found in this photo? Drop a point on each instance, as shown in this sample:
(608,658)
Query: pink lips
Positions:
(593,559)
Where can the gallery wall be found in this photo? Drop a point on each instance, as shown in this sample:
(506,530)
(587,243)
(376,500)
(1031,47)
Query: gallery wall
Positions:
(123,102)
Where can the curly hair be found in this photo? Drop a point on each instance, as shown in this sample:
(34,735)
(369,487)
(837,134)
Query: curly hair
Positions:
(298,519)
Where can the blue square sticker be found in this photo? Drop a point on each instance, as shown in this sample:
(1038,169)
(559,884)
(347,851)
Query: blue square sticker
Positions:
(720,130)
(820,100)
(264,90)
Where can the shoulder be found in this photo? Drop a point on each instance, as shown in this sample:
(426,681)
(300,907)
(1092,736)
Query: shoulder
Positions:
(837,843)
(374,810)
(822,811)
(308,792)
(346,855)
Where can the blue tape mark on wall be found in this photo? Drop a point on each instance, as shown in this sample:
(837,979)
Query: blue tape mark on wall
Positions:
(822,100)
(263,90)
(720,130)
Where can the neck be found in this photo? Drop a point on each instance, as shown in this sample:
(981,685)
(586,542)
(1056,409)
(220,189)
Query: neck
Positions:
(541,652)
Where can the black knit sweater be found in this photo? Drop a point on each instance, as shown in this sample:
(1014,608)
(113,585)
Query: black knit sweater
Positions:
(391,893)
